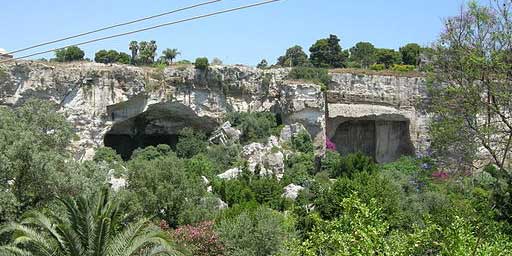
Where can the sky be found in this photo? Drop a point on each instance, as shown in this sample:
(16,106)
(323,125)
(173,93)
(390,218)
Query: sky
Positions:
(243,37)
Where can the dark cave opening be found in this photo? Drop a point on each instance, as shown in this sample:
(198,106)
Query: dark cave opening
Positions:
(383,140)
(159,124)
(124,145)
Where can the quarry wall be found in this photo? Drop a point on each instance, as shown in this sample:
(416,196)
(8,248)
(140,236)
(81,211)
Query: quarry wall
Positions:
(375,114)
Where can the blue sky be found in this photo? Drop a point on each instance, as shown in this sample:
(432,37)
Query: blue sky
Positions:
(244,37)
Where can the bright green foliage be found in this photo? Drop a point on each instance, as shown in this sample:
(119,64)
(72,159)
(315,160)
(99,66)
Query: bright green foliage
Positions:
(265,190)
(190,143)
(201,165)
(72,53)
(377,67)
(327,53)
(90,227)
(202,63)
(411,54)
(360,230)
(294,57)
(403,68)
(256,126)
(159,186)
(363,53)
(316,75)
(255,233)
(388,57)
(170,54)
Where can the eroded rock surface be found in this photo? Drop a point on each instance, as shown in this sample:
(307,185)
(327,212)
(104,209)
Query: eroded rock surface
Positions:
(102,100)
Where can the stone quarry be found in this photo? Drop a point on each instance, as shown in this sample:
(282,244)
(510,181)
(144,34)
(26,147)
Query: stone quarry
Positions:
(126,107)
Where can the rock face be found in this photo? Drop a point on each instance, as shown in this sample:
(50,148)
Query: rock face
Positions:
(378,115)
(133,106)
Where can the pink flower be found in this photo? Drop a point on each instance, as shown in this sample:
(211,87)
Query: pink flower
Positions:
(330,145)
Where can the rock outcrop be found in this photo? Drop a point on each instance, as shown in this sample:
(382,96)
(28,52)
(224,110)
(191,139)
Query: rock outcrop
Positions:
(134,106)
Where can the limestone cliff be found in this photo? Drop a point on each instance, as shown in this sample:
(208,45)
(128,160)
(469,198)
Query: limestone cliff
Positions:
(113,103)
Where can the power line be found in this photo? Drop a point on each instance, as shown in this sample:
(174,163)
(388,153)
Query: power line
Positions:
(148,28)
(115,26)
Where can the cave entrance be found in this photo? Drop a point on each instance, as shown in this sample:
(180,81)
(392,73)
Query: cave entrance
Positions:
(159,124)
(383,140)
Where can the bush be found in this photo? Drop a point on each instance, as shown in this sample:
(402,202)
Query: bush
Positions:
(316,75)
(377,67)
(190,143)
(255,233)
(302,142)
(202,63)
(403,68)
(199,239)
(255,127)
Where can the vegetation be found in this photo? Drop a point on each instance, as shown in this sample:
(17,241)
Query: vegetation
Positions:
(51,204)
(316,75)
(327,53)
(112,56)
(72,53)
(89,226)
(202,63)
(170,54)
(294,57)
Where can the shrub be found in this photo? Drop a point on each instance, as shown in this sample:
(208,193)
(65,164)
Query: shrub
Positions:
(316,75)
(255,233)
(190,143)
(158,185)
(403,68)
(377,67)
(255,127)
(200,239)
(202,63)
(302,142)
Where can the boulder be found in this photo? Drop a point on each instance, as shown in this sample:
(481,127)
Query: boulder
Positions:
(230,174)
(292,191)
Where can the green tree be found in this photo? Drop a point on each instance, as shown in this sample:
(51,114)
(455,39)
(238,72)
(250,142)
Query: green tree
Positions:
(263,64)
(363,53)
(134,48)
(411,54)
(147,52)
(170,54)
(89,227)
(327,53)
(35,164)
(202,63)
(388,57)
(72,53)
(106,57)
(190,143)
(293,57)
(124,58)
(471,96)
(159,185)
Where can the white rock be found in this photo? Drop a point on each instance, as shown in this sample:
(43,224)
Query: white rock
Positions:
(230,174)
(292,191)
(289,131)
